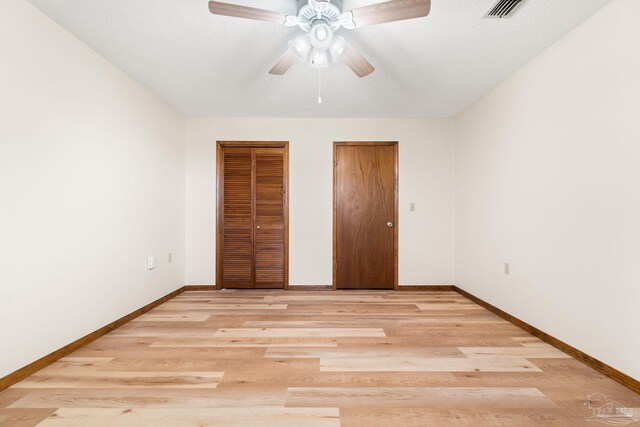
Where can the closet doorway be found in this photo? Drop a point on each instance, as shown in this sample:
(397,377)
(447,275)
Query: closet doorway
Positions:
(252,234)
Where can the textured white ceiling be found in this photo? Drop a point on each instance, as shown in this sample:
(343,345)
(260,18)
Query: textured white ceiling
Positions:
(206,65)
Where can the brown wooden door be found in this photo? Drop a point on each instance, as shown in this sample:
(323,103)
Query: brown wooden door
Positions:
(269,218)
(365,215)
(252,215)
(237,213)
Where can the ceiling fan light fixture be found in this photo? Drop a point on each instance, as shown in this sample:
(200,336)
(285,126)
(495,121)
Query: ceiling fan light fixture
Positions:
(300,46)
(321,36)
(318,58)
(339,49)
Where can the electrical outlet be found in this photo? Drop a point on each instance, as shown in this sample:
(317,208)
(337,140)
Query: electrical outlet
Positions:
(507,268)
(151,263)
(412,207)
(170,258)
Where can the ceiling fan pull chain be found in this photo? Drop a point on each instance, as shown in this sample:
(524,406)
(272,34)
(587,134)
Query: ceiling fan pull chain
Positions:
(319,85)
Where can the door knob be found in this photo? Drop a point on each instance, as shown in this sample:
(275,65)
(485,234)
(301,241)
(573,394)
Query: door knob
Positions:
(389,224)
(258,227)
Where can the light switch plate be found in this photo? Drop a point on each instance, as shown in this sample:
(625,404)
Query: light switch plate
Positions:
(151,263)
(507,268)
(412,207)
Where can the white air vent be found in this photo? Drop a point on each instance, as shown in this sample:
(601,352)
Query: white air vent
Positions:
(503,8)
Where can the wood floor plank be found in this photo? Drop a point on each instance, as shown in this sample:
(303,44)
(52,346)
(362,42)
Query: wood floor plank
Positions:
(303,378)
(205,365)
(429,339)
(230,397)
(425,322)
(23,417)
(76,362)
(531,352)
(377,379)
(199,342)
(367,352)
(144,417)
(530,341)
(125,379)
(412,397)
(417,364)
(179,317)
(454,307)
(180,352)
(219,306)
(421,417)
(299,332)
(10,395)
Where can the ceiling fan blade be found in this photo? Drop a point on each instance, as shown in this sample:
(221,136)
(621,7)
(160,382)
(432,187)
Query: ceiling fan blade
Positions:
(284,63)
(237,11)
(390,11)
(358,63)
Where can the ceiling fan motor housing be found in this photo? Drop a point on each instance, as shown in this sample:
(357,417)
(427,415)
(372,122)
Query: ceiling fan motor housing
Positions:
(308,16)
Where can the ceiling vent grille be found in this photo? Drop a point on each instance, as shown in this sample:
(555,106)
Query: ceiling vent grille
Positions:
(503,8)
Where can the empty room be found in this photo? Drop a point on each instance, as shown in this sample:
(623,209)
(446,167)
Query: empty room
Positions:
(319,213)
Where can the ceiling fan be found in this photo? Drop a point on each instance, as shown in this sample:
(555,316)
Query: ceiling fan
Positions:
(320,19)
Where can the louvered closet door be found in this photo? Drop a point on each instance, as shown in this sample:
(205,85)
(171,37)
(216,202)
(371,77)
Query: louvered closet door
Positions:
(269,237)
(252,221)
(237,219)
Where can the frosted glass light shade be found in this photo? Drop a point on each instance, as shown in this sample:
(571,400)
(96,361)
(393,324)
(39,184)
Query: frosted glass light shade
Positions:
(338,49)
(300,46)
(321,36)
(319,58)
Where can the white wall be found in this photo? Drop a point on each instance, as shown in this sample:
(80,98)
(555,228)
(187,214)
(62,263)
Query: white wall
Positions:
(91,183)
(547,178)
(426,178)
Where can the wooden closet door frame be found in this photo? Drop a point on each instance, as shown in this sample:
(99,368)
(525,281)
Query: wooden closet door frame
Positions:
(220,146)
(337,144)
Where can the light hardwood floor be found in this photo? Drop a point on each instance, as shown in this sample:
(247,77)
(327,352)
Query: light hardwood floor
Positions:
(343,358)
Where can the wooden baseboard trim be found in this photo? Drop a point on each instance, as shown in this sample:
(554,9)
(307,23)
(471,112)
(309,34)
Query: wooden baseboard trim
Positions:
(590,361)
(200,288)
(45,361)
(402,288)
(310,288)
(426,288)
